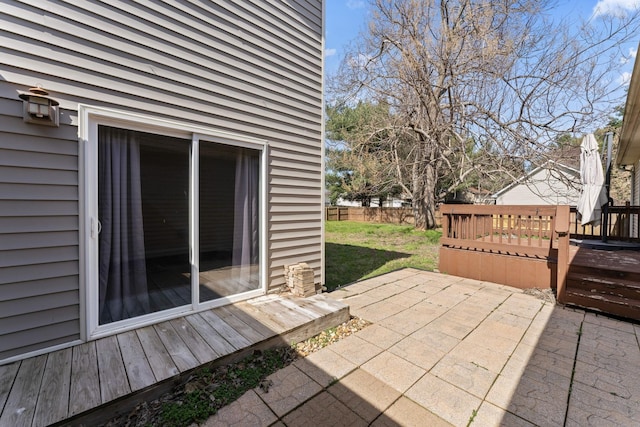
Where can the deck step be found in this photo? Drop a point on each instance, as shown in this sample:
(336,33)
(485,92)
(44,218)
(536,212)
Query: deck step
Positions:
(610,304)
(611,273)
(604,285)
(618,262)
(606,281)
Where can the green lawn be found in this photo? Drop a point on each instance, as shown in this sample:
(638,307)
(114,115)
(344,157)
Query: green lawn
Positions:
(357,250)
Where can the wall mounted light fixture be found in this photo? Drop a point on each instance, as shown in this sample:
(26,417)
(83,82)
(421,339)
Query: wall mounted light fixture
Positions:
(39,108)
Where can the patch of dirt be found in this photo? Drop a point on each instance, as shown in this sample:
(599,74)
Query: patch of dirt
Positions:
(546,295)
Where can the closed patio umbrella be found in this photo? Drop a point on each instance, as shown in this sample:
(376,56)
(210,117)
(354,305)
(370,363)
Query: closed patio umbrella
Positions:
(593,194)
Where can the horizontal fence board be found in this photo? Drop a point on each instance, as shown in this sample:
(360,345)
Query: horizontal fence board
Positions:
(379,215)
(520,250)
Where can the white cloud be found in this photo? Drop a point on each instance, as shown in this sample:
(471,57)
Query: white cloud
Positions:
(355,4)
(329,52)
(631,55)
(625,78)
(615,7)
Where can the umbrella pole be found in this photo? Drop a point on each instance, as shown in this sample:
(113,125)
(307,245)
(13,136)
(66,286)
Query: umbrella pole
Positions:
(604,232)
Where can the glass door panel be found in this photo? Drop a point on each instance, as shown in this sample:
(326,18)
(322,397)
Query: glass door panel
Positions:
(143,209)
(228,220)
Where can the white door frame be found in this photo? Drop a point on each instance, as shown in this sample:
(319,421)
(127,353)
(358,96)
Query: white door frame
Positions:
(89,118)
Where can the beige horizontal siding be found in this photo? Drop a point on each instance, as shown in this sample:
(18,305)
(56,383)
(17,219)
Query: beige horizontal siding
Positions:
(162,48)
(53,285)
(252,68)
(33,175)
(294,226)
(295,233)
(38,335)
(44,255)
(38,207)
(40,302)
(26,273)
(39,255)
(31,224)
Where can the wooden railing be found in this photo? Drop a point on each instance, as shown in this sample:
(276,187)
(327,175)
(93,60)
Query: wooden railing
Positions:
(535,232)
(622,224)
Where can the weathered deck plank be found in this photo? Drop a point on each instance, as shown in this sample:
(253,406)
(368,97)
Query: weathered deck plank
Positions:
(228,333)
(178,350)
(210,335)
(261,311)
(246,317)
(252,335)
(53,399)
(324,304)
(20,405)
(111,371)
(304,309)
(161,363)
(85,384)
(199,347)
(284,315)
(7,376)
(135,361)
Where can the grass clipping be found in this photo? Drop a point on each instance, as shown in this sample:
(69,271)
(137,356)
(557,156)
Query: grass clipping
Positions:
(209,389)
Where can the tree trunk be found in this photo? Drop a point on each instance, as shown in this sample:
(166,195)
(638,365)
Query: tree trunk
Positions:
(424,188)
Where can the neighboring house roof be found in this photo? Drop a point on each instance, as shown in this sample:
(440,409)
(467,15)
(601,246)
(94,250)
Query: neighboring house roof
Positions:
(566,156)
(629,148)
(552,165)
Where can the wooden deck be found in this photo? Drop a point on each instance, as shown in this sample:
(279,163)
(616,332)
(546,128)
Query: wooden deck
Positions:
(76,385)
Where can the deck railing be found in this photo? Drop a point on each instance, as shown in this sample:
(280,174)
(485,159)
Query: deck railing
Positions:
(540,232)
(622,224)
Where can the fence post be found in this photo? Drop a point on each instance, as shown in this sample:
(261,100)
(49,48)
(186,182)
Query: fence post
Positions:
(562,230)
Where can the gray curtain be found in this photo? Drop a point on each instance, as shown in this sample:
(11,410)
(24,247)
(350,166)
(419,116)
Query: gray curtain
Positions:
(122,269)
(245,224)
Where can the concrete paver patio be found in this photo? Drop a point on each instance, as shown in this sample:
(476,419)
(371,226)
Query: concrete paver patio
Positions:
(444,350)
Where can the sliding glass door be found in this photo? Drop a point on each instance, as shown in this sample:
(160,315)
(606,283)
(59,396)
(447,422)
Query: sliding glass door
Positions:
(178,222)
(143,209)
(228,220)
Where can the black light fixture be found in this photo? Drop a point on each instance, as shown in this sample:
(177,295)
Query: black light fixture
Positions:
(39,108)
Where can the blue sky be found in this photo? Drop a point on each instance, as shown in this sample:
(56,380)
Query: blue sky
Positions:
(346,18)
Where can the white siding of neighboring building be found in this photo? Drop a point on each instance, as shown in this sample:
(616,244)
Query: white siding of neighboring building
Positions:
(253,68)
(542,188)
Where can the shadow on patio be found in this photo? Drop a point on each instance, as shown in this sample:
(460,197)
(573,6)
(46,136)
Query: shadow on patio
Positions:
(444,350)
(441,350)
(348,263)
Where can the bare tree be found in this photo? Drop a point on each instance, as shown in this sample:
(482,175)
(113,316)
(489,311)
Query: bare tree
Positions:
(475,88)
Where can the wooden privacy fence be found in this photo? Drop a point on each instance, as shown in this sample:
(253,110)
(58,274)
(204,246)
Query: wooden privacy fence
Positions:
(367,214)
(521,246)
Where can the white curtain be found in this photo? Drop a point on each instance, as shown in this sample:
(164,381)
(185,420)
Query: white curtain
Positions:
(245,224)
(122,269)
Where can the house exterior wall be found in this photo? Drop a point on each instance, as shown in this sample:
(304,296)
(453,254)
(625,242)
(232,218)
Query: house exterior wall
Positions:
(39,257)
(545,187)
(635,197)
(251,68)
